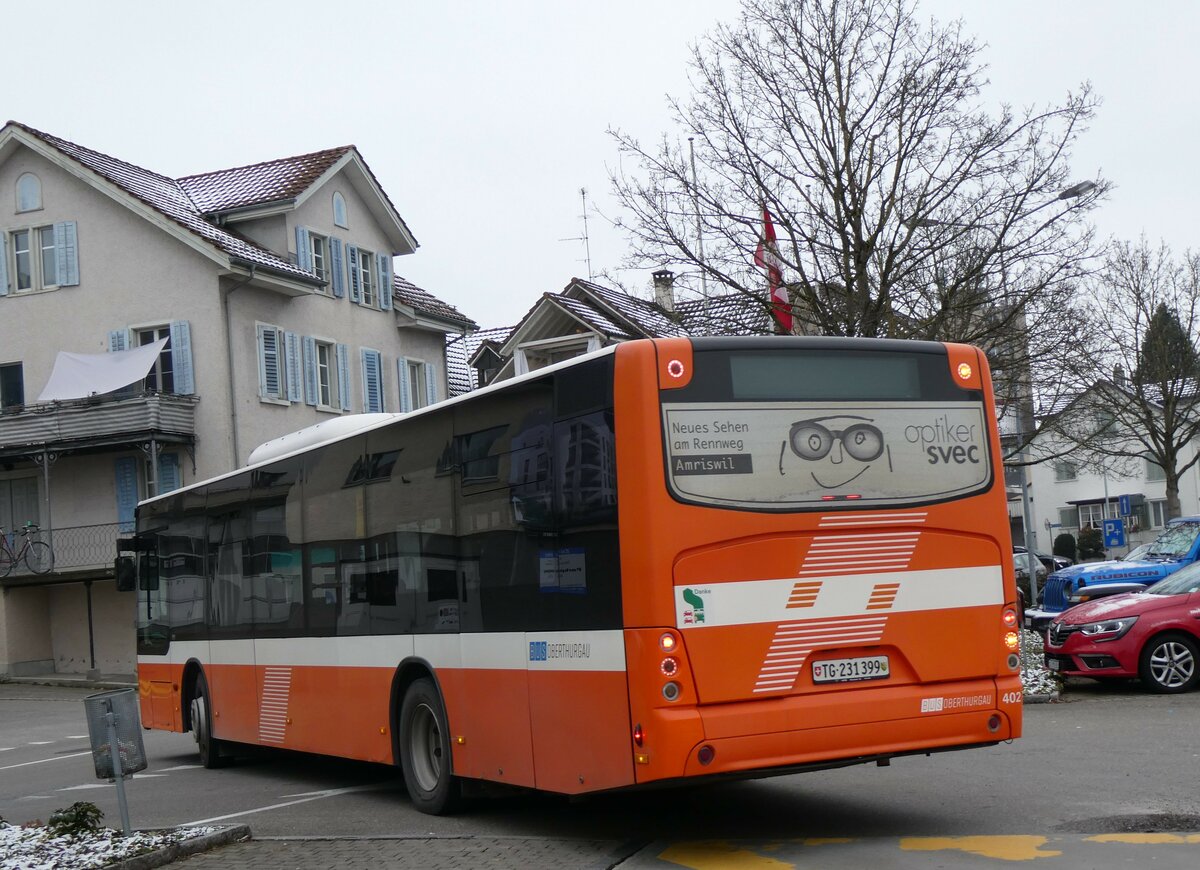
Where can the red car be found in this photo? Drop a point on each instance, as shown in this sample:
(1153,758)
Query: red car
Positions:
(1153,634)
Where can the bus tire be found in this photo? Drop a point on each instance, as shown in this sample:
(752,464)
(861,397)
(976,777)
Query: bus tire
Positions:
(425,750)
(211,749)
(1170,663)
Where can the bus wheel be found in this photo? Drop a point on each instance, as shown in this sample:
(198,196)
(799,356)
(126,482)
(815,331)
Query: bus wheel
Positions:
(209,746)
(425,750)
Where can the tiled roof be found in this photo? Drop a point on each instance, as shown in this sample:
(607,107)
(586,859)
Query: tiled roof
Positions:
(168,198)
(646,316)
(593,316)
(460,376)
(727,314)
(425,302)
(271,181)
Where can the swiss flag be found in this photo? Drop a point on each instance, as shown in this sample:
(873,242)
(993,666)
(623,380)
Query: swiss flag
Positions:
(767,256)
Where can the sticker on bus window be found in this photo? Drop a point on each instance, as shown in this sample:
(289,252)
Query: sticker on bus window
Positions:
(810,454)
(563,570)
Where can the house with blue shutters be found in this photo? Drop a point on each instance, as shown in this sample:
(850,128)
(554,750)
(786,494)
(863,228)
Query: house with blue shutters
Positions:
(263,299)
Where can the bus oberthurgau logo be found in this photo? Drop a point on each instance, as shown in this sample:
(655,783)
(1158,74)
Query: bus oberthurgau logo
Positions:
(695,614)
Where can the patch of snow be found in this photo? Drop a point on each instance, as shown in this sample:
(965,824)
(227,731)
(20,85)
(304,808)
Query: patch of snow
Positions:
(35,848)
(1034,676)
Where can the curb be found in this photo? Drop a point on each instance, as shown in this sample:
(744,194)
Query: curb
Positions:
(1048,698)
(175,851)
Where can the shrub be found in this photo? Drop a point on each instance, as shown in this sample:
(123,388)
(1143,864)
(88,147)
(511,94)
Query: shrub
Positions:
(80,818)
(1091,544)
(1064,545)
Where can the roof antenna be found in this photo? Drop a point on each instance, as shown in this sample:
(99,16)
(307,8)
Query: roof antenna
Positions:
(587,248)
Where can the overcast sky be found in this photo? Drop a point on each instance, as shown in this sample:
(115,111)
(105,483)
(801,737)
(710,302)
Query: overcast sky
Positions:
(482,120)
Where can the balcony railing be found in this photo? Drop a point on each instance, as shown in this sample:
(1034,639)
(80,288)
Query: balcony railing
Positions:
(77,549)
(97,420)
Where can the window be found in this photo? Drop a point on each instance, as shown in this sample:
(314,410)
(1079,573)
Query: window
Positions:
(29,192)
(172,371)
(278,364)
(161,378)
(326,368)
(1094,514)
(1158,513)
(12,385)
(320,246)
(339,210)
(326,374)
(1064,470)
(1068,517)
(372,375)
(39,258)
(417,385)
(168,477)
(19,502)
(365,266)
(1154,471)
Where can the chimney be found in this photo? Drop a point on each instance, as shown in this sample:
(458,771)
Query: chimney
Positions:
(1119,375)
(663,294)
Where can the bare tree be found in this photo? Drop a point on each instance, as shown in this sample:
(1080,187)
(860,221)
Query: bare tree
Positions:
(1148,311)
(902,207)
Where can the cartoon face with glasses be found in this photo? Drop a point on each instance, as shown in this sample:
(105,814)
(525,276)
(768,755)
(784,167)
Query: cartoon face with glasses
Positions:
(844,452)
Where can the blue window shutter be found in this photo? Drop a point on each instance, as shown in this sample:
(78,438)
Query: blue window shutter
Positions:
(352,268)
(343,373)
(385,281)
(292,358)
(118,340)
(430,386)
(66,253)
(402,381)
(303,249)
(168,472)
(310,370)
(126,476)
(338,269)
(3,264)
(372,373)
(181,357)
(268,362)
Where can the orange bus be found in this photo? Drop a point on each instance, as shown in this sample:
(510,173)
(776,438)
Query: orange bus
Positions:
(670,560)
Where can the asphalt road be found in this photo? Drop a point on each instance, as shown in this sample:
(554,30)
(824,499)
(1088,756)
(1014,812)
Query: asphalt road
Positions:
(1106,762)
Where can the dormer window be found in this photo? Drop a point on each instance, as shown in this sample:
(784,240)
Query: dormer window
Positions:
(339,210)
(29,192)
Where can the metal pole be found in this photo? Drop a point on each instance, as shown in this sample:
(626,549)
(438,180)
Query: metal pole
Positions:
(1104,510)
(115,750)
(1031,560)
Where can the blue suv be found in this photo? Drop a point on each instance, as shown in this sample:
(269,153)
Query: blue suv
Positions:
(1178,545)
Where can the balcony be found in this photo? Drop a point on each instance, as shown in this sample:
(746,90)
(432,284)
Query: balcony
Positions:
(97,422)
(80,553)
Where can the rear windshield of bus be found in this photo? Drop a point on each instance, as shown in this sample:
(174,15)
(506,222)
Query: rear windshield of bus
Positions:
(815,429)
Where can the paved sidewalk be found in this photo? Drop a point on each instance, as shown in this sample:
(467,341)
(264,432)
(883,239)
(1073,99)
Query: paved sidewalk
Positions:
(488,853)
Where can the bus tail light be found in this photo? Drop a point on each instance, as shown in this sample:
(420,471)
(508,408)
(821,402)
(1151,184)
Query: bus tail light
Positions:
(1010,618)
(671,691)
(706,754)
(669,666)
(1012,641)
(668,642)
(639,736)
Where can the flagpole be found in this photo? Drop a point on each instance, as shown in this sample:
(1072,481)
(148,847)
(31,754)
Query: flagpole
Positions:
(699,234)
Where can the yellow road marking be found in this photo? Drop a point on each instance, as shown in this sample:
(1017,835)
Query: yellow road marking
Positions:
(719,855)
(1145,838)
(1005,848)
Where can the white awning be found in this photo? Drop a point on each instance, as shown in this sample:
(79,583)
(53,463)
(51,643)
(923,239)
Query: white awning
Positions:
(79,375)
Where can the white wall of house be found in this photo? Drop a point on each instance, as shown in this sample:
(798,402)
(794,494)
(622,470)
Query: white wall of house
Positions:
(1057,488)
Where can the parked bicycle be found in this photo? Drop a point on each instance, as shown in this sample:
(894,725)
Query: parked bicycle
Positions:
(38,556)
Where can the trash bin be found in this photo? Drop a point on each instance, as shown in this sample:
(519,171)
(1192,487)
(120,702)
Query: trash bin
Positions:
(123,704)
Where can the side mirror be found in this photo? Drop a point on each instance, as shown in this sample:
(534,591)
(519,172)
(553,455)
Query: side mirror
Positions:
(126,573)
(148,572)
